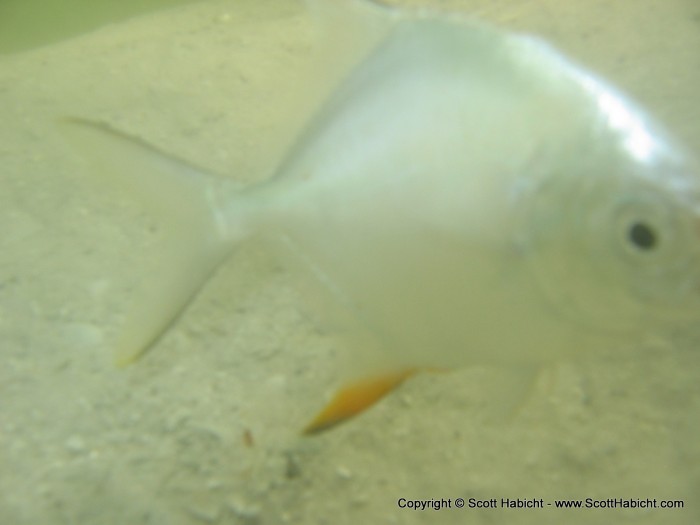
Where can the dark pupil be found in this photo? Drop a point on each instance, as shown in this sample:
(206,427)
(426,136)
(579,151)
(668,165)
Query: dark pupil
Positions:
(642,236)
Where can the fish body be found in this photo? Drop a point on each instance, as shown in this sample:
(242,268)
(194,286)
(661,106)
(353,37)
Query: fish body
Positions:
(467,194)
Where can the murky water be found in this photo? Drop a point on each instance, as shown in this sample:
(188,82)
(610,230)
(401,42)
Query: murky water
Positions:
(205,429)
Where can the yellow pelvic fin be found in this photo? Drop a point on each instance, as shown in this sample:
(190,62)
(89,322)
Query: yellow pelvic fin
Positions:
(356,398)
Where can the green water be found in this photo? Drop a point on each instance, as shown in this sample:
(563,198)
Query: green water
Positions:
(25,24)
(206,427)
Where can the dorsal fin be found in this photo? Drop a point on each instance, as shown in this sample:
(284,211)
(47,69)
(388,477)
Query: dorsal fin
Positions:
(346,31)
(351,19)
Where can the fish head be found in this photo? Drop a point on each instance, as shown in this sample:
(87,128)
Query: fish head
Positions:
(614,228)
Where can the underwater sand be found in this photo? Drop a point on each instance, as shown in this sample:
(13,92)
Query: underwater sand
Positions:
(205,428)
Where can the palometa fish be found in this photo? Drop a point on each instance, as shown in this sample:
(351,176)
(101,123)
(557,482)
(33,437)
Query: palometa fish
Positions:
(469,195)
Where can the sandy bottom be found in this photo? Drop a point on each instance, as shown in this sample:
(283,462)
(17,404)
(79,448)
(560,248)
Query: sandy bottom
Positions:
(205,428)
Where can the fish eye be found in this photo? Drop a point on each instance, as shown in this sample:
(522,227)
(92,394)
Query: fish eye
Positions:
(642,236)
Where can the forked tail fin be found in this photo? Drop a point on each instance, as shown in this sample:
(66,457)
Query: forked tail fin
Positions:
(181,198)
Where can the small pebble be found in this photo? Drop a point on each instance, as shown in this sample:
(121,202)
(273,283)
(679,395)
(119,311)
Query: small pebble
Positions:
(75,444)
(343,472)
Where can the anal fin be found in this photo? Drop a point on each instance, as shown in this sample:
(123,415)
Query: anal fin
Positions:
(355,398)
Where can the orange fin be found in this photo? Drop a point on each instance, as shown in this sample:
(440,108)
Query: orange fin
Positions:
(356,398)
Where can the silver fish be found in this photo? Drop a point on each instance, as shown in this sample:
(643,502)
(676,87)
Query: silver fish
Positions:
(468,194)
